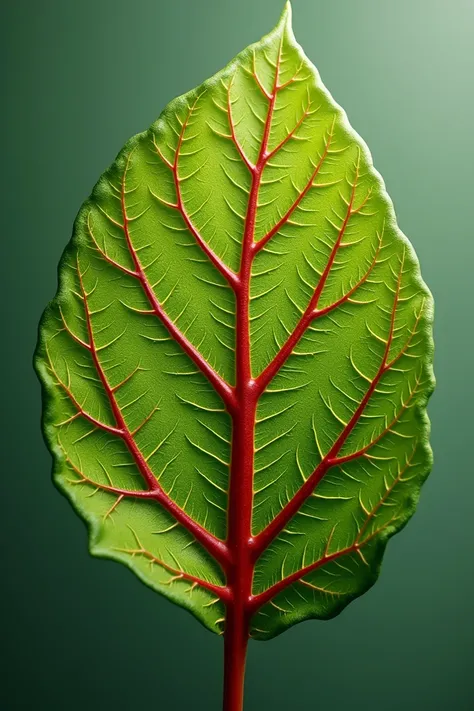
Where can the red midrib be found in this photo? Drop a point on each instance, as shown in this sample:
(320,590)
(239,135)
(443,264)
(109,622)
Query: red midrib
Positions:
(240,497)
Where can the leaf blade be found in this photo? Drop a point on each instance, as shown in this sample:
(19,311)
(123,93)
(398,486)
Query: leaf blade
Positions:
(258,167)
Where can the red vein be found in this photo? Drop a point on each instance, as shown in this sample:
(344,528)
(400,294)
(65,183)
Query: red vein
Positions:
(230,276)
(103,252)
(223,388)
(233,133)
(311,312)
(269,119)
(261,599)
(270,154)
(265,537)
(347,296)
(290,81)
(129,493)
(212,544)
(257,246)
(338,461)
(80,408)
(258,600)
(222,592)
(258,81)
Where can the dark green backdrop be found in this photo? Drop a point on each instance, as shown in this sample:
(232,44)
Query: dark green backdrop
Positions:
(83,76)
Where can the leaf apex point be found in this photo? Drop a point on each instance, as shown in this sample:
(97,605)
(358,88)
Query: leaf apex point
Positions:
(286,15)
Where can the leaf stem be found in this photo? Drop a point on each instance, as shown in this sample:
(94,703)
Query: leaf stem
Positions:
(235,654)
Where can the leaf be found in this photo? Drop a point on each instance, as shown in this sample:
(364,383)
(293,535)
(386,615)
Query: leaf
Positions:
(237,362)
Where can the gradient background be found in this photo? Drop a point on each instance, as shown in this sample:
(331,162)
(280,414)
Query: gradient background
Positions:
(81,77)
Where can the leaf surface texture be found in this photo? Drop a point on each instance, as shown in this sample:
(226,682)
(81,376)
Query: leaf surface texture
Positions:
(243,244)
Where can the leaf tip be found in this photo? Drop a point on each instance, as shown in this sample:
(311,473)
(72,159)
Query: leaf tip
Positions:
(286,15)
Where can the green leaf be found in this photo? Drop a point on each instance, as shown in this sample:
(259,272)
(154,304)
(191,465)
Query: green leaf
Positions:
(237,362)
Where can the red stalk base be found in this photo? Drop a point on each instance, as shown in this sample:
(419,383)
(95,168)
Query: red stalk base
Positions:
(235,652)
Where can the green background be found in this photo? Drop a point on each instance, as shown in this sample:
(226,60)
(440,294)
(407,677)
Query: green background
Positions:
(80,78)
